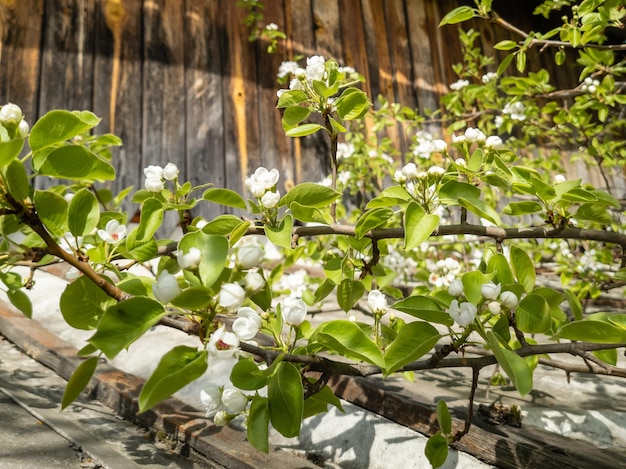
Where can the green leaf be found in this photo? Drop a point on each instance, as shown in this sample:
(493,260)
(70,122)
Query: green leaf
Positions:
(452,190)
(310,194)
(504,64)
(193,298)
(520,61)
(52,211)
(337,127)
(306,213)
(214,253)
(513,365)
(352,104)
(258,423)
(593,212)
(348,293)
(323,90)
(58,126)
(418,226)
(281,235)
(125,322)
(178,367)
(245,375)
(505,45)
(294,115)
(291,98)
(500,267)
(222,225)
(140,250)
(16,181)
(372,219)
(413,341)
(523,268)
(224,197)
(522,208)
(608,356)
(590,330)
(574,304)
(21,301)
(303,130)
(348,339)
(79,380)
(286,399)
(83,213)
(76,162)
(533,314)
(424,307)
(480,208)
(436,450)
(458,15)
(472,281)
(444,418)
(83,303)
(136,286)
(150,219)
(10,150)
(318,402)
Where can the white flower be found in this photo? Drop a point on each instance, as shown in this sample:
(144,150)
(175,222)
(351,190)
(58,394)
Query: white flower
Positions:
(515,110)
(288,67)
(261,181)
(344,150)
(559,179)
(113,232)
(189,260)
(474,135)
(166,287)
(294,311)
(222,343)
(254,281)
(490,290)
(231,296)
(234,401)
(463,314)
(154,184)
(153,172)
(271,27)
(23,129)
(439,146)
(315,68)
(459,85)
(347,70)
(377,302)
(458,138)
(296,84)
(211,397)
(10,115)
(399,176)
(170,172)
(249,255)
(456,287)
(270,199)
(222,418)
(487,77)
(409,171)
(460,162)
(494,307)
(68,197)
(247,324)
(493,141)
(436,171)
(508,299)
(436,279)
(590,85)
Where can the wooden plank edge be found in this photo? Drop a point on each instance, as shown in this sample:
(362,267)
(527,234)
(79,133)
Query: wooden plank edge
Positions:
(120,391)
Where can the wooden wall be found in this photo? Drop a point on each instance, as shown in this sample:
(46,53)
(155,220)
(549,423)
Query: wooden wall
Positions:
(179,81)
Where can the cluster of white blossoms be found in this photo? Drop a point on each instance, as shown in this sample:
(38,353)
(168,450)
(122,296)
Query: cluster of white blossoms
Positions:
(156,176)
(464,312)
(223,404)
(488,77)
(315,70)
(590,85)
(12,119)
(459,85)
(262,185)
(402,265)
(426,145)
(516,110)
(443,271)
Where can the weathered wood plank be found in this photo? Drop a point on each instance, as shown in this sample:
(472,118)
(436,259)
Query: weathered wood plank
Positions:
(327,28)
(20,37)
(205,112)
(377,45)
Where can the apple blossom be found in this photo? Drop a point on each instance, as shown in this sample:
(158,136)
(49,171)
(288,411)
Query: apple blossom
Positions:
(113,232)
(231,296)
(170,172)
(490,290)
(294,310)
(234,401)
(166,287)
(247,324)
(189,260)
(463,314)
(377,302)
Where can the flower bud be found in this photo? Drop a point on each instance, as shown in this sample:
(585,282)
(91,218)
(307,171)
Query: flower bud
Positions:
(509,299)
(211,397)
(222,418)
(254,281)
(494,308)
(153,172)
(377,302)
(170,172)
(270,199)
(231,296)
(490,290)
(463,314)
(247,324)
(234,401)
(10,115)
(154,184)
(166,287)
(189,260)
(249,255)
(294,311)
(456,288)
(23,129)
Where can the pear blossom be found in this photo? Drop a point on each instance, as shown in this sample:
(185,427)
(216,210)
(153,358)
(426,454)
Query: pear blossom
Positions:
(296,84)
(590,85)
(559,179)
(113,232)
(436,171)
(231,296)
(222,418)
(508,299)
(315,68)
(377,302)
(271,27)
(494,307)
(474,135)
(456,287)
(153,172)
(254,281)
(344,150)
(459,85)
(515,110)
(347,70)
(261,181)
(166,287)
(458,138)
(399,176)
(234,401)
(460,162)
(10,115)
(489,76)
(247,324)
(439,146)
(211,397)
(68,196)
(493,141)
(490,290)
(23,129)
(222,343)
(270,199)
(170,172)
(294,310)
(249,255)
(189,260)
(288,67)
(409,171)
(154,184)
(463,314)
